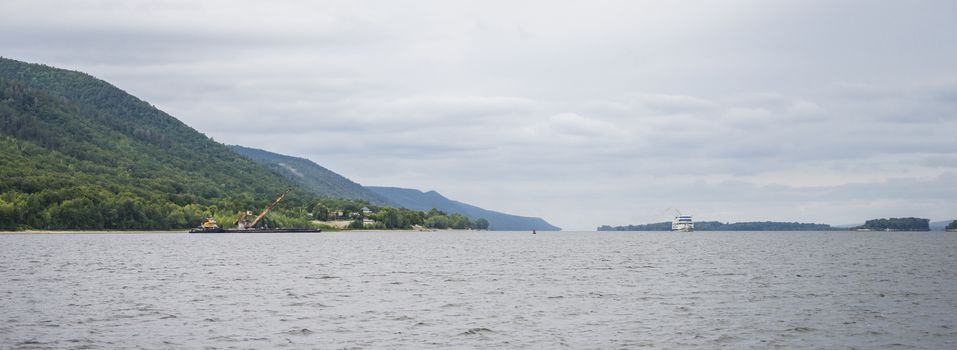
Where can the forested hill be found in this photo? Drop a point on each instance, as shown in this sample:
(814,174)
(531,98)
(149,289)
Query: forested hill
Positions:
(79,153)
(313,176)
(897,224)
(418,200)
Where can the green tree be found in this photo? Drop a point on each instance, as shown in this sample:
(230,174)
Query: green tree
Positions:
(8,215)
(459,222)
(481,224)
(176,219)
(320,211)
(437,222)
(389,217)
(902,224)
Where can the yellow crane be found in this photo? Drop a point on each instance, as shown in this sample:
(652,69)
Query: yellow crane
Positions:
(243,223)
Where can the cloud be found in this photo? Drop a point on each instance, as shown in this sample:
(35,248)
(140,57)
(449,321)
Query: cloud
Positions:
(574,125)
(675,104)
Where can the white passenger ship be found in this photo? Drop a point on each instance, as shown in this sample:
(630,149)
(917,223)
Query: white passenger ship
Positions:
(682,223)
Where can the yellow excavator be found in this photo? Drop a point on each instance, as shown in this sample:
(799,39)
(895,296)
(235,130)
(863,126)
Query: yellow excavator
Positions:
(209,226)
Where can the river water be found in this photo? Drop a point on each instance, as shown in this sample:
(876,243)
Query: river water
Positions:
(576,290)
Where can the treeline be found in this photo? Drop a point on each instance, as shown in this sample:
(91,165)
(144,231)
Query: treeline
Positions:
(392,218)
(658,226)
(401,218)
(897,224)
(87,207)
(951,226)
(90,208)
(761,226)
(891,224)
(719,226)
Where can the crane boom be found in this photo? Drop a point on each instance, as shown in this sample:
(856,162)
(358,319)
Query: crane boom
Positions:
(268,209)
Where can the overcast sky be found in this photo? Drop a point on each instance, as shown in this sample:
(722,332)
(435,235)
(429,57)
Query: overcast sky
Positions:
(580,112)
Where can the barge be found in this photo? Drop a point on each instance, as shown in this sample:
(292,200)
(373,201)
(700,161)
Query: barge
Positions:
(244,225)
(264,230)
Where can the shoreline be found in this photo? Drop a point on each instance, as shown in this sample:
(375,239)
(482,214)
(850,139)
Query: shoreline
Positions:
(82,232)
(184,231)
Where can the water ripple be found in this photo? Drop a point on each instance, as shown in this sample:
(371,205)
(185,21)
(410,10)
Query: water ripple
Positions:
(479,290)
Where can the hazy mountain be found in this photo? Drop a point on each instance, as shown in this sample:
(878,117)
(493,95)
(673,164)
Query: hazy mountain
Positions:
(313,176)
(418,200)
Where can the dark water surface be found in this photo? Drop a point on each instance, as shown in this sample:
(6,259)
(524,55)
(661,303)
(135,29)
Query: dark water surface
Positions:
(480,290)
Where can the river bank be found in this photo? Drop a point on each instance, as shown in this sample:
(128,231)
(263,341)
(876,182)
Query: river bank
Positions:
(81,232)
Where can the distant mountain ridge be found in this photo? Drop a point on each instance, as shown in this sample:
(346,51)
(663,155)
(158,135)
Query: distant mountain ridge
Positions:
(320,180)
(418,200)
(325,182)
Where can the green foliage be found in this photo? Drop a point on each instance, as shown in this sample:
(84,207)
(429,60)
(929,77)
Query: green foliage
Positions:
(951,226)
(481,224)
(459,222)
(320,211)
(437,222)
(658,226)
(897,224)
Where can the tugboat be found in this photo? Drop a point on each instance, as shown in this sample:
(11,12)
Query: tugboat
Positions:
(243,224)
(210,226)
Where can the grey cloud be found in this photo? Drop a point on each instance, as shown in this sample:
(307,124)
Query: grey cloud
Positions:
(674,104)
